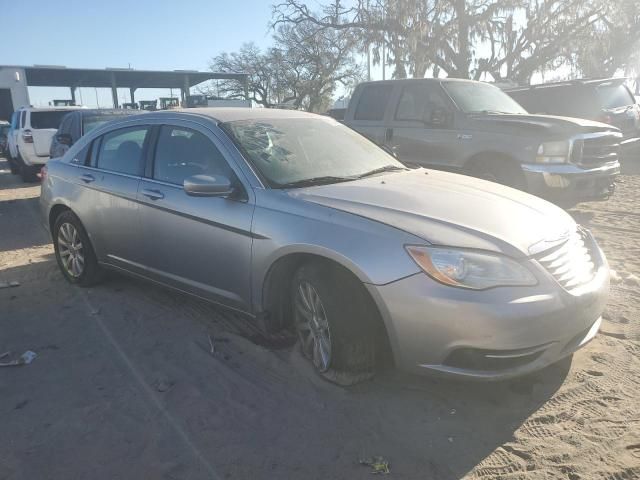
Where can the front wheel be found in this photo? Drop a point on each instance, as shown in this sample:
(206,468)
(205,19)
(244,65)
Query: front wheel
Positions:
(498,170)
(74,253)
(333,319)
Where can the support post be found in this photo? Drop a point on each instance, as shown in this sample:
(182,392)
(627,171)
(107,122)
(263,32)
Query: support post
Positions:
(185,91)
(73,94)
(132,94)
(114,90)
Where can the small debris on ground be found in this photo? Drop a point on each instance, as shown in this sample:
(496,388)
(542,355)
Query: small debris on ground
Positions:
(378,464)
(162,384)
(213,347)
(11,284)
(25,359)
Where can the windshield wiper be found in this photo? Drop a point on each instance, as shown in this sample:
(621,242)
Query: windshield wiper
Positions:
(309,182)
(386,168)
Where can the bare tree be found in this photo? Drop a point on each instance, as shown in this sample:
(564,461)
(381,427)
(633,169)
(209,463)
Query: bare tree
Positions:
(476,38)
(302,70)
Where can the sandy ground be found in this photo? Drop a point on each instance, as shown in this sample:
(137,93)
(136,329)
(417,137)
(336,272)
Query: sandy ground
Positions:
(124,386)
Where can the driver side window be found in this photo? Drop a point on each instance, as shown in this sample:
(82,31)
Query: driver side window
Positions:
(418,102)
(182,153)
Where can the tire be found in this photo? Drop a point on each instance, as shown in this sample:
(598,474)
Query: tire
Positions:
(27,172)
(13,166)
(498,170)
(71,254)
(330,306)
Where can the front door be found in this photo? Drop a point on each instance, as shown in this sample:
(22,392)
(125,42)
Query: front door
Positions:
(198,244)
(422,130)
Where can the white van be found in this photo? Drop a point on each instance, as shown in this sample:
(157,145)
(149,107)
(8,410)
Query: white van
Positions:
(30,138)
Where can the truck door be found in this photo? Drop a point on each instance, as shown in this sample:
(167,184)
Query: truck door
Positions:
(422,127)
(371,102)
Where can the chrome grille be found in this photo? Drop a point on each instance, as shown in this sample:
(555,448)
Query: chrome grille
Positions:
(571,262)
(596,150)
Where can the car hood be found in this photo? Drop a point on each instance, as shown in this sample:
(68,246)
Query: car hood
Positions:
(449,209)
(551,124)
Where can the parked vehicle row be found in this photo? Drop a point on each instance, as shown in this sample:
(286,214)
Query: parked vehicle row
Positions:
(475,128)
(37,134)
(605,100)
(4,137)
(299,222)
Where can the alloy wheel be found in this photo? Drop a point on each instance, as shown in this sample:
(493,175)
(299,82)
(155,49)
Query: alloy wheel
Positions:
(70,250)
(312,326)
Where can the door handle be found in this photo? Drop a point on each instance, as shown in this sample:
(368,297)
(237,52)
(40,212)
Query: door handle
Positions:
(87,178)
(152,194)
(388,134)
(465,136)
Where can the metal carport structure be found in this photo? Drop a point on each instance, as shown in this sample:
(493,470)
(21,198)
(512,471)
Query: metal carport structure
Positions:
(114,78)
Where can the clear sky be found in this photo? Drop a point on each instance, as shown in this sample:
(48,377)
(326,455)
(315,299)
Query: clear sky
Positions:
(143,34)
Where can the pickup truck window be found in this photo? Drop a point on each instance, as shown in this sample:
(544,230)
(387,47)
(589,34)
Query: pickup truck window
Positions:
(476,97)
(372,102)
(418,101)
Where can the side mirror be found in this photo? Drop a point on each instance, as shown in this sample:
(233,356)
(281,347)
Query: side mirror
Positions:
(208,186)
(64,139)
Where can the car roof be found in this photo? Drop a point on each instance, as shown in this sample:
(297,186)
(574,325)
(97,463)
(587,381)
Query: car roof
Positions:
(50,109)
(232,114)
(430,80)
(105,111)
(569,83)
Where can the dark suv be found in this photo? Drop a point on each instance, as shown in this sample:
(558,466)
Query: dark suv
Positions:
(76,124)
(605,100)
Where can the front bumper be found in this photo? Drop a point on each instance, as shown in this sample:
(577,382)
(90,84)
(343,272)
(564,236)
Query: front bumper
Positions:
(571,182)
(492,334)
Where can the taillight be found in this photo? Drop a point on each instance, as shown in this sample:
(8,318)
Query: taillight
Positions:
(43,173)
(27,137)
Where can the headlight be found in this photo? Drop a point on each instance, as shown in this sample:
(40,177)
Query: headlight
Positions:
(470,269)
(554,152)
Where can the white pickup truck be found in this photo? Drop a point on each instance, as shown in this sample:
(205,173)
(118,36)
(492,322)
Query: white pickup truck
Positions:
(30,138)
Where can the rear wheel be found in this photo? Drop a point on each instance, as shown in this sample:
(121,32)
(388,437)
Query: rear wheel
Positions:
(74,252)
(28,172)
(334,321)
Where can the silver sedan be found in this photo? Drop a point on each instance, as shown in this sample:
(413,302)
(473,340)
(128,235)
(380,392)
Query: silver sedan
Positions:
(302,224)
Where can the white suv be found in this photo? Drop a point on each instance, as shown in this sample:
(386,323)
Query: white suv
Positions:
(30,138)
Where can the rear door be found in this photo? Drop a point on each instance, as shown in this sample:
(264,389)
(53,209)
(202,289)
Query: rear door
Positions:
(422,126)
(198,244)
(110,177)
(371,103)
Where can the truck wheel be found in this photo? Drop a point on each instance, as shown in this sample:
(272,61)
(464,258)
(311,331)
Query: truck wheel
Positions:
(503,171)
(333,318)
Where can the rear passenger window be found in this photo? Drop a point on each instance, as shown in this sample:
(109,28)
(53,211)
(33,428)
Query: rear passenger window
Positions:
(182,153)
(121,150)
(373,102)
